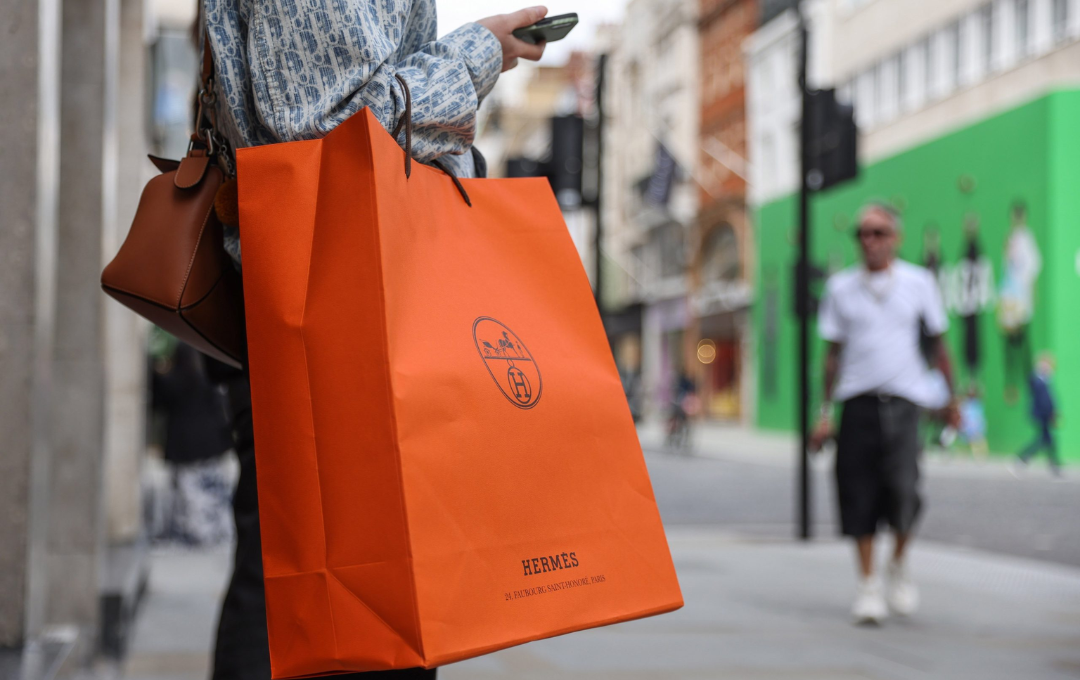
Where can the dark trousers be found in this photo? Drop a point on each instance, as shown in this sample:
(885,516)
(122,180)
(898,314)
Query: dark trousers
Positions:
(1044,440)
(242,650)
(877,465)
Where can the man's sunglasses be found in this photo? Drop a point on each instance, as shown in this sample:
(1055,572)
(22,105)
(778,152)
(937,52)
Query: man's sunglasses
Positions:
(868,233)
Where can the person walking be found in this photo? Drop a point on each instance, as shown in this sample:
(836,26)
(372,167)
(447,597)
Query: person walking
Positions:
(1044,413)
(288,71)
(196,441)
(871,316)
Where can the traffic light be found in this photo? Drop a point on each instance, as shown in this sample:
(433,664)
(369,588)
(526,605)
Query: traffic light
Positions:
(833,151)
(564,167)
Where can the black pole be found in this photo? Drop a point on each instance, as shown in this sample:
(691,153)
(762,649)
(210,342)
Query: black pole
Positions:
(598,235)
(802,287)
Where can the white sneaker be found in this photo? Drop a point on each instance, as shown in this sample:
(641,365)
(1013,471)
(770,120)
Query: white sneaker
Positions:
(901,593)
(869,607)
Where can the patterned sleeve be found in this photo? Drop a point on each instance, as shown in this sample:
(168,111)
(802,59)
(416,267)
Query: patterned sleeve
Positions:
(314,67)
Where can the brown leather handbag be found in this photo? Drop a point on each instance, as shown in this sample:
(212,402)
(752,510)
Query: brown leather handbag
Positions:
(172,268)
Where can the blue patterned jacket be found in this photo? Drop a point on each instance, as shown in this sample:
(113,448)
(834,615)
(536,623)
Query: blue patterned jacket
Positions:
(293,69)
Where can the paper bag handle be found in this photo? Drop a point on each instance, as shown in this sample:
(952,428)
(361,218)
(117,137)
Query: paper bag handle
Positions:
(406,122)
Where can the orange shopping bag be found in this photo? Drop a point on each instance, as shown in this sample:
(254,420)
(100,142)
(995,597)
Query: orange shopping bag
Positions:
(446,462)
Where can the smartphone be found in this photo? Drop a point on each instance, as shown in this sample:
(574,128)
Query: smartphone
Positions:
(548,29)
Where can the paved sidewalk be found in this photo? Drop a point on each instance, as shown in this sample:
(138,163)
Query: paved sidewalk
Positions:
(724,441)
(174,629)
(758,610)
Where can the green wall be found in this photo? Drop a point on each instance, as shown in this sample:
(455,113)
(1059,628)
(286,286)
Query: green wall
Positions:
(1030,153)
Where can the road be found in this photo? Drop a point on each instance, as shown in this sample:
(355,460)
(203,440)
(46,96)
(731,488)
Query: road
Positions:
(967,505)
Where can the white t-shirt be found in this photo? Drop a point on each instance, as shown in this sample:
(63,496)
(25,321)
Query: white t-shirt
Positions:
(875,317)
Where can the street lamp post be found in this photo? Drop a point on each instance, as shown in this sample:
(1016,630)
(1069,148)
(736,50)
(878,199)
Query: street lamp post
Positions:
(802,288)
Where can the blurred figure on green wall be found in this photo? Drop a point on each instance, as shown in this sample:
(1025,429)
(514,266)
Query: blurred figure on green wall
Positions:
(1022,263)
(974,292)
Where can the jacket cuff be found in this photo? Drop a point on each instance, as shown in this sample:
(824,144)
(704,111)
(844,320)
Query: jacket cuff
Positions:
(482,54)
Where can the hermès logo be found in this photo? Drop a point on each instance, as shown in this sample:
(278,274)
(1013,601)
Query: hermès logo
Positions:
(508,361)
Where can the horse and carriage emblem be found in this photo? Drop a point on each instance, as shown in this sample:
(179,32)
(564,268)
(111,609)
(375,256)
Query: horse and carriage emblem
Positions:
(509,362)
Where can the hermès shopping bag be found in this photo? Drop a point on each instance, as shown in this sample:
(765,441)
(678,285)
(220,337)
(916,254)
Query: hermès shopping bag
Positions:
(446,461)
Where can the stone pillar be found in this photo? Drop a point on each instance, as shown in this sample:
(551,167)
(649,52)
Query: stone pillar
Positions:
(125,362)
(87,126)
(29,91)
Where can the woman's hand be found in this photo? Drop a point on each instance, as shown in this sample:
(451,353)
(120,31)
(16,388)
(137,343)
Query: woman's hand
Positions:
(503,26)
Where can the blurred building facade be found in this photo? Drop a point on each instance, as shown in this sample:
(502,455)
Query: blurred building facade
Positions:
(649,192)
(76,90)
(964,109)
(721,258)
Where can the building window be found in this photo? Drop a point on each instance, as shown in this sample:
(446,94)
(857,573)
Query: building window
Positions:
(670,247)
(865,98)
(951,52)
(720,255)
(1060,15)
(873,79)
(986,32)
(887,90)
(767,93)
(902,79)
(969,51)
(915,75)
(959,53)
(929,69)
(768,171)
(642,267)
(855,92)
(1023,29)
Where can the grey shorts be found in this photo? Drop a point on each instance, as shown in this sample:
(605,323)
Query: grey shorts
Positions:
(877,465)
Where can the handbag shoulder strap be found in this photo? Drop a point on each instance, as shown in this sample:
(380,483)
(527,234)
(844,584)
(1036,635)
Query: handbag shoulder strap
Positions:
(207,139)
(204,123)
(207,73)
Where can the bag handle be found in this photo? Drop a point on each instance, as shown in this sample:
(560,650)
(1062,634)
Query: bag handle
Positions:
(406,122)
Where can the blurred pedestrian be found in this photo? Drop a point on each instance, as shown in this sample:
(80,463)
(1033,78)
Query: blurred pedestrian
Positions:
(684,405)
(196,440)
(973,423)
(1044,413)
(871,316)
(288,71)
